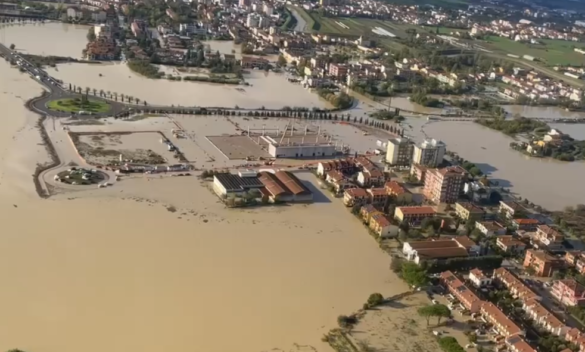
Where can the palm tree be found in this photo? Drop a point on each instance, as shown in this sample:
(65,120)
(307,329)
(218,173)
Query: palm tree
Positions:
(79,90)
(122,97)
(101,92)
(145,104)
(115,95)
(87,89)
(109,94)
(94,92)
(137,101)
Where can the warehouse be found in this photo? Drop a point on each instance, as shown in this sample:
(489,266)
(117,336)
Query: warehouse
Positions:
(226,183)
(299,191)
(278,191)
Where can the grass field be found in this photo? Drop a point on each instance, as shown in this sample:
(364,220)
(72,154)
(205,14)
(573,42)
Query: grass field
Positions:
(76,105)
(551,52)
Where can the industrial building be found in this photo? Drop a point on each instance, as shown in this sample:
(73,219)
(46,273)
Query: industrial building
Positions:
(226,183)
(292,144)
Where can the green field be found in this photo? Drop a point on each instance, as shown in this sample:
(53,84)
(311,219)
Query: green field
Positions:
(76,105)
(551,52)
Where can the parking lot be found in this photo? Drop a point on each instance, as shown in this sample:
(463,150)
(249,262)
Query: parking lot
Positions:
(238,147)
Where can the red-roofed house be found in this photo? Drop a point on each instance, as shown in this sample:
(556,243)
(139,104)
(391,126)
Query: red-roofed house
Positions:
(355,196)
(458,289)
(501,323)
(380,224)
(510,244)
(478,278)
(413,215)
(396,190)
(542,317)
(525,224)
(378,196)
(569,292)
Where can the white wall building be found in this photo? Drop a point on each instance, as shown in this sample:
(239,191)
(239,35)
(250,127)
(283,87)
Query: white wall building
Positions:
(429,153)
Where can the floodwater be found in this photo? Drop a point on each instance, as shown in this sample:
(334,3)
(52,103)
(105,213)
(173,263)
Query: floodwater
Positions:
(51,38)
(546,112)
(267,89)
(550,183)
(119,269)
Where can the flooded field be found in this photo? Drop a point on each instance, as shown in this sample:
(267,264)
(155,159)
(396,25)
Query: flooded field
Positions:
(174,267)
(261,92)
(547,182)
(550,112)
(51,38)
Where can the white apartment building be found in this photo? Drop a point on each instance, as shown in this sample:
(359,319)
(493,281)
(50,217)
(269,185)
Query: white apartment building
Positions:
(399,151)
(429,153)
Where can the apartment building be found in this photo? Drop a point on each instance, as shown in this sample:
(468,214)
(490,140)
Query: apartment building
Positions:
(429,153)
(576,259)
(398,192)
(490,228)
(378,196)
(371,176)
(444,185)
(516,287)
(524,224)
(569,292)
(414,214)
(548,237)
(501,323)
(338,70)
(367,211)
(458,289)
(355,196)
(478,278)
(469,211)
(341,165)
(399,151)
(541,262)
(380,225)
(518,344)
(543,318)
(510,244)
(419,172)
(510,209)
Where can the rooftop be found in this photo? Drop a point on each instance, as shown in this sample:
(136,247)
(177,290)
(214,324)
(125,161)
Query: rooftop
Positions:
(273,184)
(416,210)
(500,318)
(472,208)
(519,344)
(491,225)
(292,182)
(526,221)
(235,182)
(395,188)
(377,191)
(356,192)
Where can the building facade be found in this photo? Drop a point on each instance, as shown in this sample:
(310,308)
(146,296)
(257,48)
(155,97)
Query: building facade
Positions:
(444,185)
(429,153)
(399,151)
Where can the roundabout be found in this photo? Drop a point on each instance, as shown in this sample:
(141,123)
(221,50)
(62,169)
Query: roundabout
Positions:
(79,105)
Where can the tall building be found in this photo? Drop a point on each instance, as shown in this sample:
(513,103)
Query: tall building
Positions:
(268,9)
(399,151)
(244,3)
(444,185)
(252,21)
(429,153)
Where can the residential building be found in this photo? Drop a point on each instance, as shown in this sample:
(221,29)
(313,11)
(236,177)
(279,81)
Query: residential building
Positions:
(549,237)
(444,185)
(399,151)
(413,215)
(543,318)
(569,292)
(429,153)
(458,289)
(334,177)
(478,278)
(400,194)
(518,344)
(342,165)
(381,226)
(378,197)
(355,196)
(524,224)
(458,247)
(490,228)
(541,262)
(510,244)
(103,48)
(253,62)
(510,209)
(338,71)
(371,176)
(469,211)
(516,286)
(500,321)
(575,336)
(367,211)
(419,172)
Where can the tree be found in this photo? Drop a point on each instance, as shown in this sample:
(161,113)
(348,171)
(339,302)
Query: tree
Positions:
(441,311)
(426,312)
(12,46)
(414,275)
(375,299)
(396,265)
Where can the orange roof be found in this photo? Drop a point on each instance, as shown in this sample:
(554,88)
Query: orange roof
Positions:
(356,192)
(291,182)
(381,220)
(542,314)
(477,273)
(458,288)
(526,221)
(416,210)
(506,326)
(472,208)
(464,241)
(520,345)
(395,188)
(377,191)
(513,284)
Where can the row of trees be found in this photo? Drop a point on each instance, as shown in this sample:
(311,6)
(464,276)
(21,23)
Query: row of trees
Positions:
(106,94)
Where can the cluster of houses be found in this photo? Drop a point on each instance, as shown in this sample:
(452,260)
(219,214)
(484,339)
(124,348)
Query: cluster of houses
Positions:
(524,31)
(535,86)
(509,334)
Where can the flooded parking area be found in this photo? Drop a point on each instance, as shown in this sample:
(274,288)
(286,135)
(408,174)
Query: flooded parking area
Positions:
(238,147)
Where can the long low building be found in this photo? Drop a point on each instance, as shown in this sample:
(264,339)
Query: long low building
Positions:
(501,323)
(457,247)
(226,183)
(516,286)
(458,289)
